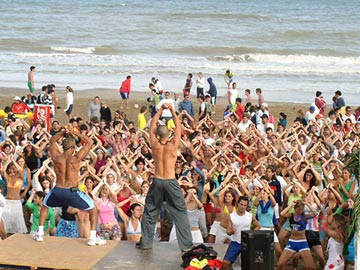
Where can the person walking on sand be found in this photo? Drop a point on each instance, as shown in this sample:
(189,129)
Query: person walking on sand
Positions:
(69,101)
(188,84)
(261,98)
(66,193)
(213,93)
(200,84)
(164,185)
(125,92)
(31,80)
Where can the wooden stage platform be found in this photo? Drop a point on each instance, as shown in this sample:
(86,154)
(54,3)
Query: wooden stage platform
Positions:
(65,253)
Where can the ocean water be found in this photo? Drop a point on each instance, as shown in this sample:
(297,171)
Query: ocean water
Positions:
(288,48)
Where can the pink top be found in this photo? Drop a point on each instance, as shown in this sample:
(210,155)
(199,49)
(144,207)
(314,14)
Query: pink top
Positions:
(106,212)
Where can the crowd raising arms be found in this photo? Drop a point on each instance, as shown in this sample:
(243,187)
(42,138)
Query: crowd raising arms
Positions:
(299,161)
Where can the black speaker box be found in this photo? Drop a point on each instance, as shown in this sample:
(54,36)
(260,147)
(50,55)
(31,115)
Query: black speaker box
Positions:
(257,250)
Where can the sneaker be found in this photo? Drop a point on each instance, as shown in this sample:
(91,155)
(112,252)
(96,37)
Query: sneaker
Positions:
(96,242)
(138,245)
(38,237)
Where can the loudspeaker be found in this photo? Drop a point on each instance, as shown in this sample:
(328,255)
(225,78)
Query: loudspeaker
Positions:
(257,250)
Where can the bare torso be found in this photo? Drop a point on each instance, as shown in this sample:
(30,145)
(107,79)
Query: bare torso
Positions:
(14,185)
(164,156)
(67,171)
(31,76)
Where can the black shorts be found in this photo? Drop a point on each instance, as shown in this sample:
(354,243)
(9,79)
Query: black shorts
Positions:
(313,238)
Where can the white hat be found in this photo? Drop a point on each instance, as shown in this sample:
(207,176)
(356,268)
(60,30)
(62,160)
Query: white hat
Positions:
(257,184)
(17,98)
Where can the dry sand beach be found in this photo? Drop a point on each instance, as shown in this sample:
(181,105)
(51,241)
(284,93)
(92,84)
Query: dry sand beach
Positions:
(112,99)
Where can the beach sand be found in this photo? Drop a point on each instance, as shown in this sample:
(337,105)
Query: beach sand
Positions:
(112,99)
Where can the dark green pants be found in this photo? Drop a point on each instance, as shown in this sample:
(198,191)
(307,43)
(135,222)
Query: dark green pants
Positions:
(169,191)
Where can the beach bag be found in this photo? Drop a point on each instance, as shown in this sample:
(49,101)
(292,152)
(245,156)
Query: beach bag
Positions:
(199,252)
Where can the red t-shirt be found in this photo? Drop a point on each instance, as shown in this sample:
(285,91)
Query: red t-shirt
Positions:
(20,108)
(240,109)
(125,86)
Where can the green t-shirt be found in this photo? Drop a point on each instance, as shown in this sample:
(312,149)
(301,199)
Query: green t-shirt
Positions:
(342,193)
(35,210)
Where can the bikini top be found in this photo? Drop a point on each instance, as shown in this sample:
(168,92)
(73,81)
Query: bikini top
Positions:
(130,228)
(299,225)
(286,175)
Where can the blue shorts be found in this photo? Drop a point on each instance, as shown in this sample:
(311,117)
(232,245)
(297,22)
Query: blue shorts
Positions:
(60,197)
(69,110)
(297,245)
(67,228)
(124,95)
(233,252)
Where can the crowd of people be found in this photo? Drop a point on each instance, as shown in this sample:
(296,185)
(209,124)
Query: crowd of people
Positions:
(244,172)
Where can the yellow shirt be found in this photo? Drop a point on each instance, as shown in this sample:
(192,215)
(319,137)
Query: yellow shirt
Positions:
(141,121)
(170,124)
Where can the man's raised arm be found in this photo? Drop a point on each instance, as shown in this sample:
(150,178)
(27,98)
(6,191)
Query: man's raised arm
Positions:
(86,147)
(54,148)
(154,123)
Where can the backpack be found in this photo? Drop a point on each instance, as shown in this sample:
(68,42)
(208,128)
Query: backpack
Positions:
(200,252)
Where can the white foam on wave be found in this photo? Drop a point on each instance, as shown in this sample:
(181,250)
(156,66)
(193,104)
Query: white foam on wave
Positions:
(87,50)
(290,59)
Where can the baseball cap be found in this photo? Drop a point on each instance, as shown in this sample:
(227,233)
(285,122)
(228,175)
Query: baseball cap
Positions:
(17,98)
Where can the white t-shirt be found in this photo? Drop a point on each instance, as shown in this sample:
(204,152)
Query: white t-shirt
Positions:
(310,116)
(202,107)
(209,141)
(240,223)
(200,83)
(233,95)
(351,117)
(261,127)
(243,127)
(166,113)
(69,100)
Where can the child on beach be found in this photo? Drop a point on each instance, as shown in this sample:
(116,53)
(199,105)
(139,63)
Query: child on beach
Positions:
(188,84)
(228,77)
(337,231)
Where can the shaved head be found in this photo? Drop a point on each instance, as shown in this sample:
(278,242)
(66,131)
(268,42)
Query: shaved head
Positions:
(162,131)
(68,143)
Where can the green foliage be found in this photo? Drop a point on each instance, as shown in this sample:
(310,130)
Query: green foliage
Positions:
(353,164)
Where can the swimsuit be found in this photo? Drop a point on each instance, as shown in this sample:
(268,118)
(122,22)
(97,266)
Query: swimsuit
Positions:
(300,225)
(130,228)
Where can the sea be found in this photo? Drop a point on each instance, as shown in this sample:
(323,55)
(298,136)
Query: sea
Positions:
(290,49)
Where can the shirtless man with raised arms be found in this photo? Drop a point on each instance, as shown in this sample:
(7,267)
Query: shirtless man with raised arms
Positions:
(165,187)
(65,193)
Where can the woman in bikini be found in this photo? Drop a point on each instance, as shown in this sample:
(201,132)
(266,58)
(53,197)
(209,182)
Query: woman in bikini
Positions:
(297,242)
(132,223)
(13,216)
